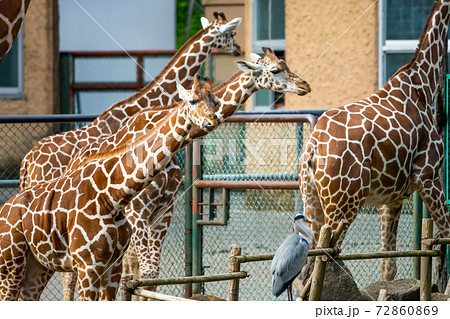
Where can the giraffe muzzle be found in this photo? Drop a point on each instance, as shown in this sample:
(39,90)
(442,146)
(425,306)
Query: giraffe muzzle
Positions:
(207,124)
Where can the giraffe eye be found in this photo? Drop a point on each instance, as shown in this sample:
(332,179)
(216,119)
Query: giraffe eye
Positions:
(193,102)
(233,34)
(275,71)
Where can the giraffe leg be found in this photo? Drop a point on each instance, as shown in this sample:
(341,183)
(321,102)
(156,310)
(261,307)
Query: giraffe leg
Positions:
(69,282)
(36,279)
(434,198)
(159,225)
(312,207)
(390,215)
(110,282)
(13,253)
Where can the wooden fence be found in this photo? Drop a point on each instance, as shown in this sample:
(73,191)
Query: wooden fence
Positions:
(325,251)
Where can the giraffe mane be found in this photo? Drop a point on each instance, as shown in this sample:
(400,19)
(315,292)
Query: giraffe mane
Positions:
(124,147)
(435,8)
(225,83)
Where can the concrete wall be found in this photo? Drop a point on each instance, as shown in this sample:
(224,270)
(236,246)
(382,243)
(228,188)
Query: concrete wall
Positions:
(40,56)
(348,71)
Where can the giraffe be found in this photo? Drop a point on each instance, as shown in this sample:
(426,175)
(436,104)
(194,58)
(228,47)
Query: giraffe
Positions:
(142,258)
(76,222)
(48,159)
(12,13)
(379,150)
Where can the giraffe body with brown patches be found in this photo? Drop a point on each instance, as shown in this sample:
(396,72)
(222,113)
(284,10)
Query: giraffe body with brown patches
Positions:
(76,222)
(12,13)
(50,157)
(263,73)
(378,151)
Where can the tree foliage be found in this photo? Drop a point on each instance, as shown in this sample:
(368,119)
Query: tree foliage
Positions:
(182,15)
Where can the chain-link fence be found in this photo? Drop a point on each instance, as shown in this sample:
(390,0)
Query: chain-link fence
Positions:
(18,135)
(259,219)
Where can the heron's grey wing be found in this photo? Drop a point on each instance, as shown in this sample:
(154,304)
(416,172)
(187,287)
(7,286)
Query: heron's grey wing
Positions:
(288,262)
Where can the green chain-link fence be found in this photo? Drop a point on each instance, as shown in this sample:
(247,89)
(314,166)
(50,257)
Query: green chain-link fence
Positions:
(259,219)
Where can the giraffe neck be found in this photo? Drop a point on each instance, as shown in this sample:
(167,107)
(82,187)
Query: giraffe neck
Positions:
(423,70)
(162,90)
(12,13)
(232,94)
(144,153)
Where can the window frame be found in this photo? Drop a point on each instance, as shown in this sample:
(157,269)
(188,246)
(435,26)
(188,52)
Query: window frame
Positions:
(257,45)
(390,46)
(276,45)
(18,91)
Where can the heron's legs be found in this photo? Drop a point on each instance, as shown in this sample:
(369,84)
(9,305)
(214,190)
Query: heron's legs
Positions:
(289,292)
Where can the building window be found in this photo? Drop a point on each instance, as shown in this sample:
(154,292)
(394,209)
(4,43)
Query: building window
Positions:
(401,24)
(268,31)
(11,71)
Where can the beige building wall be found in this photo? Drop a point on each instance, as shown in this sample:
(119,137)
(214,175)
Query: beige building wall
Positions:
(41,58)
(345,73)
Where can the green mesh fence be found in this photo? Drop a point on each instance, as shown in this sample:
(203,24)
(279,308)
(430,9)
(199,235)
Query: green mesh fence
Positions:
(259,219)
(16,139)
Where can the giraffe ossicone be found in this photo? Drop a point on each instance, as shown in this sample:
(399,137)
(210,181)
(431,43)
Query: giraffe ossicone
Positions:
(77,222)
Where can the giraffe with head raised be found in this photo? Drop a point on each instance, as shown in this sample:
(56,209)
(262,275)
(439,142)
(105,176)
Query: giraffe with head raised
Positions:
(12,13)
(271,73)
(49,158)
(378,151)
(76,222)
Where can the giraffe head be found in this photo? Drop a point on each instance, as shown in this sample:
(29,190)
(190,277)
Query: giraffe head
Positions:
(222,33)
(273,74)
(200,102)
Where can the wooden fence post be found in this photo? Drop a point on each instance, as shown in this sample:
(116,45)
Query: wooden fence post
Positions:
(233,286)
(318,274)
(126,292)
(425,262)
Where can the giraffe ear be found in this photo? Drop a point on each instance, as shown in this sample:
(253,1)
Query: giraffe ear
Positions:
(182,92)
(255,57)
(248,66)
(230,26)
(205,22)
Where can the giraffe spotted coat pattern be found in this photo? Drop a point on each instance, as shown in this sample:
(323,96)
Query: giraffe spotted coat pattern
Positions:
(263,73)
(12,13)
(378,151)
(49,158)
(76,222)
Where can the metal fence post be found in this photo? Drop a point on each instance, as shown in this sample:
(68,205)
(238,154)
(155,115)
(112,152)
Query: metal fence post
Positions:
(417,216)
(196,228)
(188,219)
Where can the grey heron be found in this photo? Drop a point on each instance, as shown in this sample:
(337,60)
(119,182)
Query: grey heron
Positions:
(290,257)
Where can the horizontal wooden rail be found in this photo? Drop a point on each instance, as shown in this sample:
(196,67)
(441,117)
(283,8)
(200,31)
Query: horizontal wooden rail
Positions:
(253,258)
(436,241)
(356,256)
(157,296)
(184,280)
(389,254)
(290,185)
